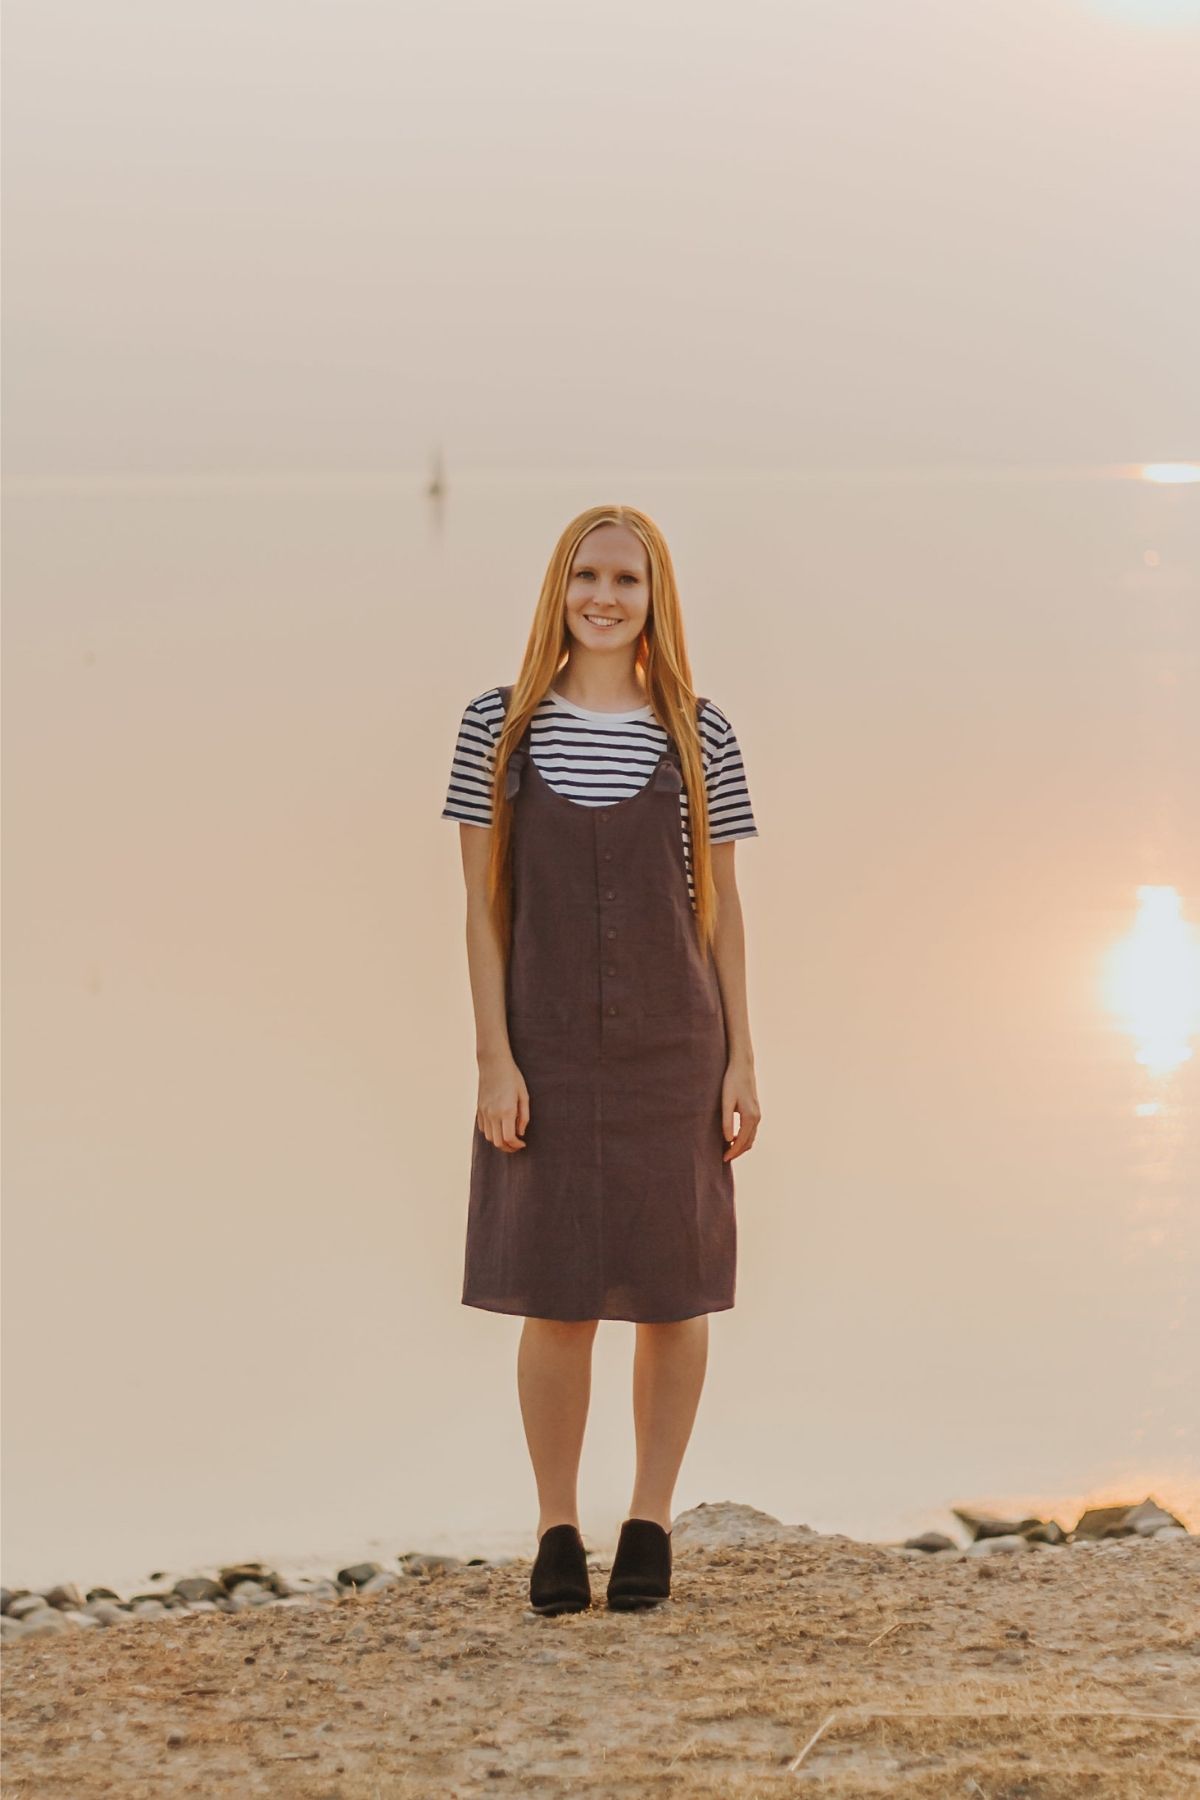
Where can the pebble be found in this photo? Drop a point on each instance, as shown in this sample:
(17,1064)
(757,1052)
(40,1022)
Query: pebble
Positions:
(241,1587)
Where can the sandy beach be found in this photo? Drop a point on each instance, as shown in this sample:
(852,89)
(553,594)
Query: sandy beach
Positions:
(785,1660)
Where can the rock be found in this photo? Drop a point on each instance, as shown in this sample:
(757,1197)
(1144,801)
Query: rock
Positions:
(930,1540)
(25,1604)
(11,1628)
(66,1596)
(988,1525)
(384,1579)
(1051,1532)
(249,1571)
(427,1562)
(107,1612)
(722,1524)
(1102,1522)
(197,1587)
(1149,1518)
(102,1593)
(47,1619)
(308,1587)
(80,1618)
(997,1546)
(1171,1531)
(147,1607)
(6,1594)
(1142,1520)
(358,1574)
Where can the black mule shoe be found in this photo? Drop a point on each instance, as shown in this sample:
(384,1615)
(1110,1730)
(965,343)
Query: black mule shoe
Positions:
(641,1570)
(558,1581)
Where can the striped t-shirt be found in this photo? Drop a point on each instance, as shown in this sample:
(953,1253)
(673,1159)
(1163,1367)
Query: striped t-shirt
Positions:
(596,758)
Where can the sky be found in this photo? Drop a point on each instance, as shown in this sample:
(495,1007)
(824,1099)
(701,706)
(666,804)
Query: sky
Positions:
(326,238)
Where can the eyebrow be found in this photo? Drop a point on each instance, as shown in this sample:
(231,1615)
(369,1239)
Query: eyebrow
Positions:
(587,563)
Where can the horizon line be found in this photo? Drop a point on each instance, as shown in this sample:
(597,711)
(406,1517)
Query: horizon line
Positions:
(416,476)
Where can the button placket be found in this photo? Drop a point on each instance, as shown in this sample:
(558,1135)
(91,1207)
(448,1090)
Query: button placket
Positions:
(608,969)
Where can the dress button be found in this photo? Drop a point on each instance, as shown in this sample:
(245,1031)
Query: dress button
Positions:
(608,856)
(611,932)
(612,1009)
(610,893)
(610,968)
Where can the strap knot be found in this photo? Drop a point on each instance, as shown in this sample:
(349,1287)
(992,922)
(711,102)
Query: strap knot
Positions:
(512,772)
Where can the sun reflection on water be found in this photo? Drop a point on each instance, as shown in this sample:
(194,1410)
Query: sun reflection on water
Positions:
(1152,981)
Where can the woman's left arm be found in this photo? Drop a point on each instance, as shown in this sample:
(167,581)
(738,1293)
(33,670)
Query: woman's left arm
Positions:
(739,1092)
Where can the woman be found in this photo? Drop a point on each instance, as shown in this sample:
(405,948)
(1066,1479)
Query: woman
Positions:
(599,801)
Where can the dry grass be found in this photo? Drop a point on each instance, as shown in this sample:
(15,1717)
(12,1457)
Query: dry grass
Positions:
(825,1666)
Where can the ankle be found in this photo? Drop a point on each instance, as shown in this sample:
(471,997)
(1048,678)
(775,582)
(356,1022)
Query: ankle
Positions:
(550,1519)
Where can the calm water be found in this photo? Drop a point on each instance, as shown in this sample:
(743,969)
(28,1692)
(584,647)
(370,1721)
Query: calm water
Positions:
(239,1049)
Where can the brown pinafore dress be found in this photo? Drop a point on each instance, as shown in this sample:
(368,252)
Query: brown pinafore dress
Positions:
(620,1205)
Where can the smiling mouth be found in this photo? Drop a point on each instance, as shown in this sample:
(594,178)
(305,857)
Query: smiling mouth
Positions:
(601,619)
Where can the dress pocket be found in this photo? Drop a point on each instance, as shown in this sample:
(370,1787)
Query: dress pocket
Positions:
(681,984)
(692,1000)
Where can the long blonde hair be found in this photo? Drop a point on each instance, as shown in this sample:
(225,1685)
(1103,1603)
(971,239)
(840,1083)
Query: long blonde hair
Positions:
(661,655)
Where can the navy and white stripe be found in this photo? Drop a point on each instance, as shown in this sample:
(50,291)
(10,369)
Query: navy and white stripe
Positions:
(596,758)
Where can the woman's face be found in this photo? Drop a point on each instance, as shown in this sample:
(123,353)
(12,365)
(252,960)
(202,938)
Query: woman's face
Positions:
(609,580)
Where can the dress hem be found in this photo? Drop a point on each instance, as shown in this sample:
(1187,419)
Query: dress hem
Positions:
(518,1312)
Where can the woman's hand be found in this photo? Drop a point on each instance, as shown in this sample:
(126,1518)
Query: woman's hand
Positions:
(739,1094)
(502,1111)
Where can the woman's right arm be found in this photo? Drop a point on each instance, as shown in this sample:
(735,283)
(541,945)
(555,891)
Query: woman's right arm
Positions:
(502,1111)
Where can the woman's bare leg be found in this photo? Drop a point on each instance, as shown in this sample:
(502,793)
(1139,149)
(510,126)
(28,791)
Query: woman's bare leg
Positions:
(554,1382)
(669,1363)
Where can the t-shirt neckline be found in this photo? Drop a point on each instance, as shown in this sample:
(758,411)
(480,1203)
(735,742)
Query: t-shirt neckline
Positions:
(587,712)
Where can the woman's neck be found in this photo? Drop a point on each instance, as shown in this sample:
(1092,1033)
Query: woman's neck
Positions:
(600,688)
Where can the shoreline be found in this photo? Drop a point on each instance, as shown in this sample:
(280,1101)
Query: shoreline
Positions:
(238,1586)
(1177,1499)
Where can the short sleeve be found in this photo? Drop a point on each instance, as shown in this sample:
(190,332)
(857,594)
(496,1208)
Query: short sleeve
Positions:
(730,814)
(469,792)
